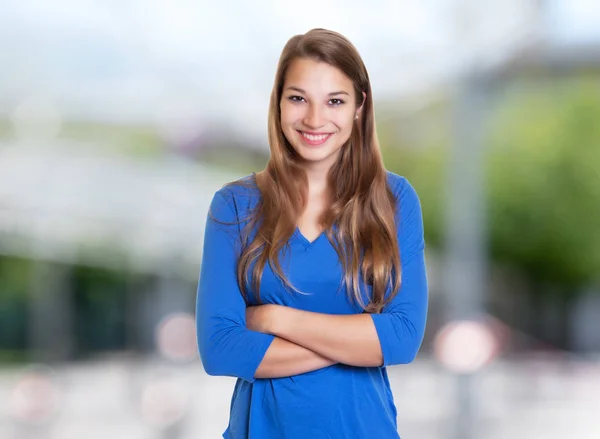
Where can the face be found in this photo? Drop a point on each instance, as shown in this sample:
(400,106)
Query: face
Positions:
(318,110)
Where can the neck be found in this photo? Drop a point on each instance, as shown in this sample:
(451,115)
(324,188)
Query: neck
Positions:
(317,175)
(317,181)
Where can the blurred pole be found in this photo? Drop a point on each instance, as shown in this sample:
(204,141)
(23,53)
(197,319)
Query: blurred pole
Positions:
(465,257)
(50,316)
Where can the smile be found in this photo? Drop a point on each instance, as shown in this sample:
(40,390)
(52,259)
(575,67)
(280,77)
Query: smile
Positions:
(315,139)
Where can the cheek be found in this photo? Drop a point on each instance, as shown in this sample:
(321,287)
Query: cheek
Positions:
(345,121)
(289,114)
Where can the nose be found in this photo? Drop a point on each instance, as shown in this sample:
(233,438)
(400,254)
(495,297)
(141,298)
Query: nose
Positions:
(314,117)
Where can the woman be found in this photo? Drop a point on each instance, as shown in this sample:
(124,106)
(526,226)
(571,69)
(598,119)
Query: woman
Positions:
(313,274)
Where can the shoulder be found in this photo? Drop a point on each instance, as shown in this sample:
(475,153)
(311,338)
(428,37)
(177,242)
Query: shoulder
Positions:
(405,193)
(237,196)
(242,187)
(408,216)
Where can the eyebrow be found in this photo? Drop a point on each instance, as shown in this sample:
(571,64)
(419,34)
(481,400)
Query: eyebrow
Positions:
(299,90)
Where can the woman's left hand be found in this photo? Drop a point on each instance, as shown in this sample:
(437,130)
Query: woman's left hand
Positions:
(262,318)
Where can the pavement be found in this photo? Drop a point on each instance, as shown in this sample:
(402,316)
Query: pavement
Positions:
(132,397)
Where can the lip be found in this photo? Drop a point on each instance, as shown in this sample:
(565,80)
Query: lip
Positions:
(312,133)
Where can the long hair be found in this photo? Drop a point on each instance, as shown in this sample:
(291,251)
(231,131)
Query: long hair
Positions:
(362,205)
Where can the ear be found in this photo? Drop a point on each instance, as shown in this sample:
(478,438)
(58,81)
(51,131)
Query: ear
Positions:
(359,109)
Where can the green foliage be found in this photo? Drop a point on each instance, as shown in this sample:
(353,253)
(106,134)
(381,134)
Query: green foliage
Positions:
(542,178)
(14,275)
(136,141)
(141,141)
(100,303)
(544,183)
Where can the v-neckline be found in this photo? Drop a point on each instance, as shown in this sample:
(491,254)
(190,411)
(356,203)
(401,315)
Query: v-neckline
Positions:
(305,240)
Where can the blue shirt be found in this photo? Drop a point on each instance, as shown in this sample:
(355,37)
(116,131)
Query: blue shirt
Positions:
(339,401)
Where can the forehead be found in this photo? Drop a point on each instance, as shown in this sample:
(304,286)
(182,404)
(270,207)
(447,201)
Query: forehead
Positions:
(316,77)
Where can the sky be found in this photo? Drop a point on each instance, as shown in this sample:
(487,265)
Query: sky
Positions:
(574,21)
(170,60)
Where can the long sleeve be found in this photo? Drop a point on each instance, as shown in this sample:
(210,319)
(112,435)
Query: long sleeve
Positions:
(401,325)
(226,346)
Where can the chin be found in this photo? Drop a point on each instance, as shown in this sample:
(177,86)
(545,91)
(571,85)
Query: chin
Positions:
(316,156)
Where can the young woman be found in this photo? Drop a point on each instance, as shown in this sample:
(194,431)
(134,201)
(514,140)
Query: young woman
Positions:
(313,275)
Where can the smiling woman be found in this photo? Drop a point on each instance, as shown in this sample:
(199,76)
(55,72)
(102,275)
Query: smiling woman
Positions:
(308,325)
(316,119)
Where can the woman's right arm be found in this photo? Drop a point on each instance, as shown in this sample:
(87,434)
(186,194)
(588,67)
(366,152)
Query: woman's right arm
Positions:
(284,358)
(226,346)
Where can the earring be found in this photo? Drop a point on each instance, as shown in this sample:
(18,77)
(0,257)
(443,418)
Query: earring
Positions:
(356,117)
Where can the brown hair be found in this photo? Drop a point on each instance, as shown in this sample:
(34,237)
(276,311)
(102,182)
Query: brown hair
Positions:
(362,204)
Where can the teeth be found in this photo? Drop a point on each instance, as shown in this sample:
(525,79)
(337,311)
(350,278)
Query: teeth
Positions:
(315,138)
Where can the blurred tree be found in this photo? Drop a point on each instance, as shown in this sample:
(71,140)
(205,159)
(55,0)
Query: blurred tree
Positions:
(544,197)
(100,302)
(544,183)
(542,187)
(543,179)
(14,276)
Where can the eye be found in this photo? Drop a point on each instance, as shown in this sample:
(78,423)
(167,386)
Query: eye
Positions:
(296,98)
(335,102)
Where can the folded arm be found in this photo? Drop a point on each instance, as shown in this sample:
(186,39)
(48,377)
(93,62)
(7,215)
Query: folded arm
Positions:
(226,346)
(391,337)
(284,358)
(348,339)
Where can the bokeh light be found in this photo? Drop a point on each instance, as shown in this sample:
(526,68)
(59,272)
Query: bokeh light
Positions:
(36,397)
(466,346)
(176,337)
(164,402)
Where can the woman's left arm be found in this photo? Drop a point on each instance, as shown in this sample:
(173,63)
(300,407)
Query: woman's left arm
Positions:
(366,340)
(348,339)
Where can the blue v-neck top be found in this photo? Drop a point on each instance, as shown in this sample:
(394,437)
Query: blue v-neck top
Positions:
(339,401)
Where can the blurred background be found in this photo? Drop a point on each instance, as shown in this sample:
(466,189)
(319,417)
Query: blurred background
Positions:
(119,121)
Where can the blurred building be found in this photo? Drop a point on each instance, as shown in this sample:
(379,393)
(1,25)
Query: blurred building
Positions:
(113,243)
